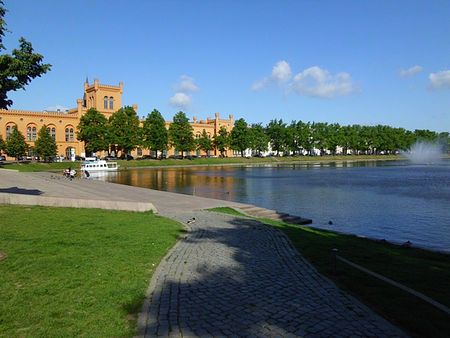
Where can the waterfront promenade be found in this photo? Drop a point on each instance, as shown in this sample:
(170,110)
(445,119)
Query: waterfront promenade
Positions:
(229,276)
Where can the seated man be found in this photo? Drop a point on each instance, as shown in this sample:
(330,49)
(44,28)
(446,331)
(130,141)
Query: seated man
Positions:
(72,173)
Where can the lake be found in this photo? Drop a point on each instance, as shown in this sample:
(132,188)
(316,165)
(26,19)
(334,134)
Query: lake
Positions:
(390,200)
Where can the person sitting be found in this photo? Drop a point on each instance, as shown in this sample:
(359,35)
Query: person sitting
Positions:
(72,173)
(66,173)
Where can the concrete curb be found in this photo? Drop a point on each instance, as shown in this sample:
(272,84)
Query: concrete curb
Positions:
(21,199)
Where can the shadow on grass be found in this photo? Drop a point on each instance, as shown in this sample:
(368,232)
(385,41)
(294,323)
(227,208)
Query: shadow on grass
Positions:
(425,271)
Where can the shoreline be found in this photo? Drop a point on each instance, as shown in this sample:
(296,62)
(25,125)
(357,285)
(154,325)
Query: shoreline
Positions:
(258,163)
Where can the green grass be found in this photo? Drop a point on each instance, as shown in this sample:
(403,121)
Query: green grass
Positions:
(425,271)
(35,166)
(227,210)
(38,166)
(77,272)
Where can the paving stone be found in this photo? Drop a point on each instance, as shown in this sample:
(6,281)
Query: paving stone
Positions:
(242,279)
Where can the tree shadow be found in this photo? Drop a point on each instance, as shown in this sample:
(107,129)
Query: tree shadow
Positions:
(21,191)
(244,279)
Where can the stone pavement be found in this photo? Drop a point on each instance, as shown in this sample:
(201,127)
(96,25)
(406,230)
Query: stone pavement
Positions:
(236,277)
(53,189)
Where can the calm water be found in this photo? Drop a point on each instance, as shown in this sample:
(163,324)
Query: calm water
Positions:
(392,200)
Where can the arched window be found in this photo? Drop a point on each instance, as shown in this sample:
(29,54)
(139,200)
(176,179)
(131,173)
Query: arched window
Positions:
(31,133)
(69,134)
(111,103)
(52,131)
(9,129)
(105,102)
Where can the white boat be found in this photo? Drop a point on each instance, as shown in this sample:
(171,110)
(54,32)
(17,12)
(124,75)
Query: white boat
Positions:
(97,165)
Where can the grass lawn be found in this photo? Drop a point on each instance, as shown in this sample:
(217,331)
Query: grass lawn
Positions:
(425,271)
(77,272)
(37,166)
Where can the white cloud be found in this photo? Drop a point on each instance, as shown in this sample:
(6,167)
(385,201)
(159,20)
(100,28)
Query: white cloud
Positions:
(313,81)
(183,89)
(57,108)
(281,72)
(318,82)
(186,84)
(180,100)
(410,71)
(440,80)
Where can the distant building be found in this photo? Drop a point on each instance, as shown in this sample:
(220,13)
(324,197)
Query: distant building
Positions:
(62,125)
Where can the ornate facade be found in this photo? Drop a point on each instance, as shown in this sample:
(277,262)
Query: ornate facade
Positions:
(62,125)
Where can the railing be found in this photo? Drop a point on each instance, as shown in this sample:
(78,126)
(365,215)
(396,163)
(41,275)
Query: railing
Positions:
(425,298)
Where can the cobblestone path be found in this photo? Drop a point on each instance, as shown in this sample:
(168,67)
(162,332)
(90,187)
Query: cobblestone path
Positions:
(236,277)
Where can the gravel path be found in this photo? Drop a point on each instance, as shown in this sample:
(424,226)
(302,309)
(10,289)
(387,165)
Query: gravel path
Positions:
(236,277)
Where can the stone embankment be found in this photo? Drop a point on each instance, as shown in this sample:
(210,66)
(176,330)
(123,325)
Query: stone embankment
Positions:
(255,211)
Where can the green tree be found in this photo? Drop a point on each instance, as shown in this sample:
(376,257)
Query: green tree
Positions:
(93,131)
(124,130)
(319,136)
(276,130)
(354,139)
(154,133)
(304,136)
(18,68)
(204,142)
(181,133)
(45,146)
(240,137)
(333,137)
(222,141)
(347,134)
(259,140)
(16,145)
(425,135)
(2,144)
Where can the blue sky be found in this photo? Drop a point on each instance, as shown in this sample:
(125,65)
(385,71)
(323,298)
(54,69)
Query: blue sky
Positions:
(364,62)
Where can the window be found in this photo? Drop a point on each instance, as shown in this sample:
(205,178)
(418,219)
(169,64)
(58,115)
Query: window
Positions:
(9,129)
(31,133)
(111,103)
(105,102)
(69,134)
(52,132)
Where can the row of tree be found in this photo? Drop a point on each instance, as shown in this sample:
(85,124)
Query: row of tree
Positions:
(123,132)
(302,138)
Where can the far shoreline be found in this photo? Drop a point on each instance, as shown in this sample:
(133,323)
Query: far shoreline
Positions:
(32,166)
